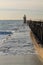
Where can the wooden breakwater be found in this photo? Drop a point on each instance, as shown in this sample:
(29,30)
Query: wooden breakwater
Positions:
(37,28)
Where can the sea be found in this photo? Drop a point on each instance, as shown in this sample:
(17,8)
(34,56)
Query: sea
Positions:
(15,38)
(16,46)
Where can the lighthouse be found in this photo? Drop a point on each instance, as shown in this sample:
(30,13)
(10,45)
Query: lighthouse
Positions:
(24,18)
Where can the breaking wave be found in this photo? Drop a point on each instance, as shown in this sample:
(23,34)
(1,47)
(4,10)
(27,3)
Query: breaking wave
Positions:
(17,41)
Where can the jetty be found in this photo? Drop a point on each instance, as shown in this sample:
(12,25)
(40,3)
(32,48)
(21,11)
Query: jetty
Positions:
(36,34)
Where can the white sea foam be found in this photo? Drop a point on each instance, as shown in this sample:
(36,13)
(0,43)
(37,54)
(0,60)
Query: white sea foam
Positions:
(17,43)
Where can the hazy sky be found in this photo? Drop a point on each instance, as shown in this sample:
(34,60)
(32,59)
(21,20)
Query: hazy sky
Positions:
(15,9)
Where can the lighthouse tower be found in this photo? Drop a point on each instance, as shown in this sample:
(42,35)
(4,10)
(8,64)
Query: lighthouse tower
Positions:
(24,18)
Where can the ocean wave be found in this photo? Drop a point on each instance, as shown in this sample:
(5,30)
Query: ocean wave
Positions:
(15,39)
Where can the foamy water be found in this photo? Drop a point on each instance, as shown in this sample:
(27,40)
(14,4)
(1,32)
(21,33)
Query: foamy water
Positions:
(17,43)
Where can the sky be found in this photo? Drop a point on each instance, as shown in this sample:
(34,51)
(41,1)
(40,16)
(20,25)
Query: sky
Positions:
(15,9)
